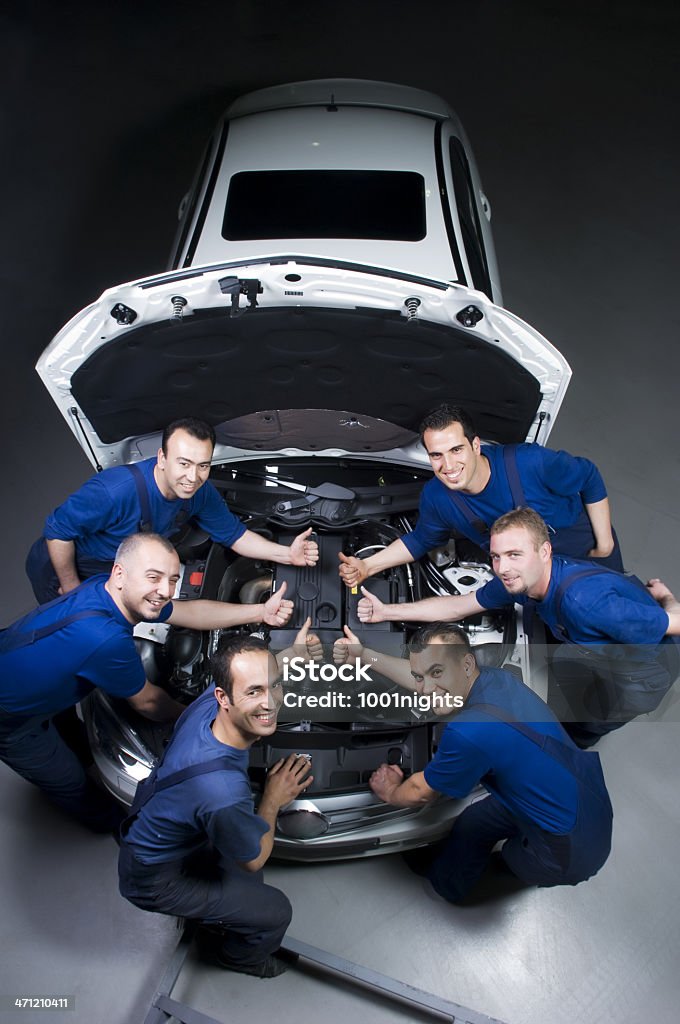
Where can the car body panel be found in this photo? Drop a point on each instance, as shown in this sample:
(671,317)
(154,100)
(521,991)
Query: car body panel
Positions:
(324,339)
(342,124)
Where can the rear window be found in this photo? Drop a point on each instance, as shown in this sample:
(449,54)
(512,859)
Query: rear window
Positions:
(325,204)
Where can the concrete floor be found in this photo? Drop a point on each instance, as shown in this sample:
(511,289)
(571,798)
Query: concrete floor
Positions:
(569,109)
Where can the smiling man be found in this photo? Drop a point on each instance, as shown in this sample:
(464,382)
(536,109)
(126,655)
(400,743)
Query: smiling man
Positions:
(193,845)
(547,800)
(157,495)
(619,659)
(54,656)
(475,483)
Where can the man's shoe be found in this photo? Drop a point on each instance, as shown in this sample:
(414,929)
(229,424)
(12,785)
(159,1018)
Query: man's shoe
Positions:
(269,968)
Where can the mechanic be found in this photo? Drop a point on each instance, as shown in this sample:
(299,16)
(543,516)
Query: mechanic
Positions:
(547,799)
(193,845)
(54,656)
(157,495)
(474,484)
(620,656)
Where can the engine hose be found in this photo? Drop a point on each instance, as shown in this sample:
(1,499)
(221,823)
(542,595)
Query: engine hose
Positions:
(253,591)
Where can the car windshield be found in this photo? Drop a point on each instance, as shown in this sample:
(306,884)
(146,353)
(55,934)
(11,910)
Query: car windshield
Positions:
(325,204)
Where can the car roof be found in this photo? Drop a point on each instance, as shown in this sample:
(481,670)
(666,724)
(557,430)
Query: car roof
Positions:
(316,139)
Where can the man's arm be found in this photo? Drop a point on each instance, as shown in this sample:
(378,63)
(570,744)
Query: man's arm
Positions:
(353,571)
(432,609)
(286,780)
(396,669)
(600,519)
(154,703)
(63,557)
(302,551)
(221,615)
(389,784)
(670,604)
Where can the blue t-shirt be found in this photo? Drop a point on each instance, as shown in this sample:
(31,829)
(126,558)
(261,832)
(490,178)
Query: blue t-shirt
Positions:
(555,484)
(61,669)
(215,807)
(105,510)
(527,780)
(605,608)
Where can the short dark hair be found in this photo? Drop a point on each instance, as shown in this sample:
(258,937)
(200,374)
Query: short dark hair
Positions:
(199,429)
(449,632)
(227,649)
(129,546)
(524,518)
(444,415)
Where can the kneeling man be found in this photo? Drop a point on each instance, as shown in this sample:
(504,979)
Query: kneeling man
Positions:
(547,799)
(193,845)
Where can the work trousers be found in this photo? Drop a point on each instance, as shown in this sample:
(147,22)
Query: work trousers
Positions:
(535,856)
(577,540)
(32,747)
(253,916)
(598,694)
(43,578)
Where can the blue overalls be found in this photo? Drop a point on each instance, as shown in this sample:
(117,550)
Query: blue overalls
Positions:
(605,686)
(40,570)
(575,541)
(533,854)
(246,918)
(31,745)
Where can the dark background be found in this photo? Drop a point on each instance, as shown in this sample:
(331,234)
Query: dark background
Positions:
(572,113)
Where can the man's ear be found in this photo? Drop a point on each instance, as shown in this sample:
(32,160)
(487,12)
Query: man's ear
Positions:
(222,698)
(160,456)
(117,575)
(546,550)
(469,664)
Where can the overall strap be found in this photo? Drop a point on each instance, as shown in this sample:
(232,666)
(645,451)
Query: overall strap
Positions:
(14,640)
(584,766)
(145,524)
(512,473)
(146,789)
(477,526)
(503,716)
(566,583)
(478,529)
(182,517)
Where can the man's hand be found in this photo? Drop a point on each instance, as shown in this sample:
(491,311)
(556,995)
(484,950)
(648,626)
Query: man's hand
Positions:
(346,645)
(286,780)
(307,645)
(353,571)
(277,611)
(370,608)
(304,551)
(659,591)
(385,780)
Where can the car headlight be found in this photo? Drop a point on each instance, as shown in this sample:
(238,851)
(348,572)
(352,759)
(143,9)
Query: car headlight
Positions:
(114,738)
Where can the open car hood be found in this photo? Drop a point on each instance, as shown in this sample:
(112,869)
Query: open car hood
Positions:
(290,354)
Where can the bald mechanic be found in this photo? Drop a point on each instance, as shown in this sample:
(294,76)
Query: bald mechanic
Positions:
(54,656)
(475,483)
(547,799)
(193,845)
(619,657)
(157,495)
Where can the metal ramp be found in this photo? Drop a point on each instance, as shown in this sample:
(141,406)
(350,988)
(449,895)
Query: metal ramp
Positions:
(164,1008)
